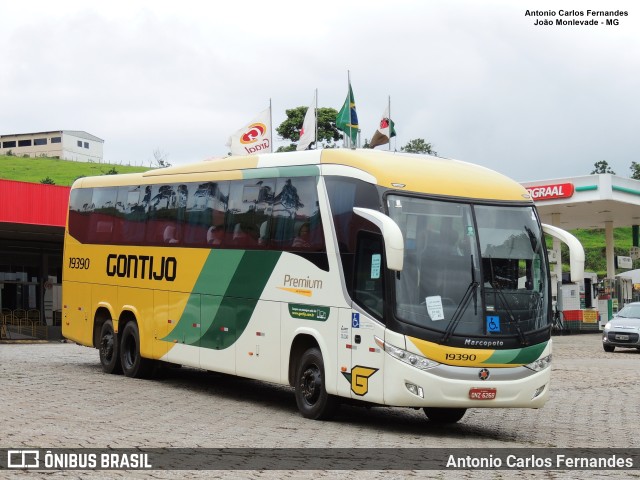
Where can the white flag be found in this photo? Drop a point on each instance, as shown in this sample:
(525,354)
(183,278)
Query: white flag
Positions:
(254,137)
(385,131)
(308,132)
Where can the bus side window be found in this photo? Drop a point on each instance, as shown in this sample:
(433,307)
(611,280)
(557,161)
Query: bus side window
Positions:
(296,223)
(103,217)
(368,279)
(80,208)
(131,214)
(162,214)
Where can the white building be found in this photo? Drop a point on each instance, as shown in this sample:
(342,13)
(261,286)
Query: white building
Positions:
(65,144)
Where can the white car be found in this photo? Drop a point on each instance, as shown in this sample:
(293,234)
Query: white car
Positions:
(623,330)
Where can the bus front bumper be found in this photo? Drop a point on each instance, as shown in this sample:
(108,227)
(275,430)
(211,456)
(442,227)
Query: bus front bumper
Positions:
(465,387)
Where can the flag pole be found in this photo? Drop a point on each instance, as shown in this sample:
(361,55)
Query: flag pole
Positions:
(270,126)
(389,107)
(349,100)
(316,117)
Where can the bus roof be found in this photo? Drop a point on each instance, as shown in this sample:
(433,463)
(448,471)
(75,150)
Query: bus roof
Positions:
(401,171)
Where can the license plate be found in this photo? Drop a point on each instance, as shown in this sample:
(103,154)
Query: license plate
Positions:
(482,393)
(622,337)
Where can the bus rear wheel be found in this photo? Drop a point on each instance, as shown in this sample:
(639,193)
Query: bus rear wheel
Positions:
(133,364)
(444,416)
(108,348)
(311,395)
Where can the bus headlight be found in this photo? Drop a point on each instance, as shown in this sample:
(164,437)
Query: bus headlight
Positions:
(540,364)
(412,359)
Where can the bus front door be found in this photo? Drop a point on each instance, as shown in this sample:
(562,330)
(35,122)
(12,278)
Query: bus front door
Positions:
(361,359)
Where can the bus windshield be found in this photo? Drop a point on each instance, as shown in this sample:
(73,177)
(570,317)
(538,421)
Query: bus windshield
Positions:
(472,270)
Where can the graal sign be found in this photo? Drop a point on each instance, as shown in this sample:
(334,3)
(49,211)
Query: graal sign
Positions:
(549,192)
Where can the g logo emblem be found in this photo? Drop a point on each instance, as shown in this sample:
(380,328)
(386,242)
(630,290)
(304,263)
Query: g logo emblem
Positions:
(359,379)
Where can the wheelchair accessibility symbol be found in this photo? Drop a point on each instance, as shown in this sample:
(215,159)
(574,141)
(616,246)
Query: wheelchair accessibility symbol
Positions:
(493,324)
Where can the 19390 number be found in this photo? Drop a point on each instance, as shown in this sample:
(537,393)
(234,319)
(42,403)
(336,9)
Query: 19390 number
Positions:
(79,263)
(465,357)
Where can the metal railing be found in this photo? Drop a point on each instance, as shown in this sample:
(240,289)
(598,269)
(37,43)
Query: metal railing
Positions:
(15,325)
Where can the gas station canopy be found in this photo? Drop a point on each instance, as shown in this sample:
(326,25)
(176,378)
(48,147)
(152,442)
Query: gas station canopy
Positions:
(591,201)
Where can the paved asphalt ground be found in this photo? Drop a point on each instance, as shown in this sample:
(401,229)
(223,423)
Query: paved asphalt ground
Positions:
(55,395)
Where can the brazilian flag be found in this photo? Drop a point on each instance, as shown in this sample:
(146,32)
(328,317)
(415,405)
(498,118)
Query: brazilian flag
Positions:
(347,119)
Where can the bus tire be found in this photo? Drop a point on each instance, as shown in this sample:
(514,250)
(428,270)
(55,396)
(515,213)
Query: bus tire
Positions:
(444,416)
(109,349)
(311,394)
(133,364)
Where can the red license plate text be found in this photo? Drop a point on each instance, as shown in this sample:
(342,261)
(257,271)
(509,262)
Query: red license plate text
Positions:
(482,393)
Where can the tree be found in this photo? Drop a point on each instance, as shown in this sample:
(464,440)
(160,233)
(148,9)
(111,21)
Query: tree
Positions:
(418,145)
(328,134)
(602,167)
(635,170)
(47,181)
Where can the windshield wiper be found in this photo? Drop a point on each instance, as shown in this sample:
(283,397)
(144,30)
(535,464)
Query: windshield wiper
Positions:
(532,239)
(462,307)
(505,303)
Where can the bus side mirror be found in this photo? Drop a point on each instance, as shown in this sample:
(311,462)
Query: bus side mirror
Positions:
(391,233)
(576,252)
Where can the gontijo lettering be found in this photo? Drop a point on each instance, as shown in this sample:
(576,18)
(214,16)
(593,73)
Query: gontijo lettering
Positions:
(142,266)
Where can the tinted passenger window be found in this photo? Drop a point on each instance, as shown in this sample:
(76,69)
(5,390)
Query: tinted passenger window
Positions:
(103,217)
(296,224)
(206,206)
(250,206)
(132,215)
(162,213)
(80,208)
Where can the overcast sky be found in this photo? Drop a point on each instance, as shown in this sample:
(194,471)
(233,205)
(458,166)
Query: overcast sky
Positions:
(477,79)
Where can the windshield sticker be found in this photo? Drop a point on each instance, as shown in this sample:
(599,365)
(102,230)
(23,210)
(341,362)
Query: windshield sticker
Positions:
(493,324)
(470,231)
(376,259)
(434,307)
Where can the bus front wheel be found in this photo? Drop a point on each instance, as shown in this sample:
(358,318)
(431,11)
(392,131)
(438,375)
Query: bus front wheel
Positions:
(444,415)
(133,364)
(108,348)
(311,395)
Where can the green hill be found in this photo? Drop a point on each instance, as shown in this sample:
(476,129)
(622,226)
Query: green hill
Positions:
(62,172)
(593,242)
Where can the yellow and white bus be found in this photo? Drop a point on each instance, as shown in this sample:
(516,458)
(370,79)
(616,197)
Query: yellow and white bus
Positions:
(386,278)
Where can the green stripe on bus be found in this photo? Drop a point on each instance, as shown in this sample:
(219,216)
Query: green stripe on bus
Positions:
(240,299)
(224,314)
(521,356)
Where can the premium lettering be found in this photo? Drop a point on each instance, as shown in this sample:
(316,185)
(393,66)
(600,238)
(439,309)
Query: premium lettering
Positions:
(290,281)
(142,266)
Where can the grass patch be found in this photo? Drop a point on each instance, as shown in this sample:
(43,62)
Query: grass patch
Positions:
(61,172)
(594,244)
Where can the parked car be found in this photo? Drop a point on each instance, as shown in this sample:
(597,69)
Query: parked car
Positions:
(623,330)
